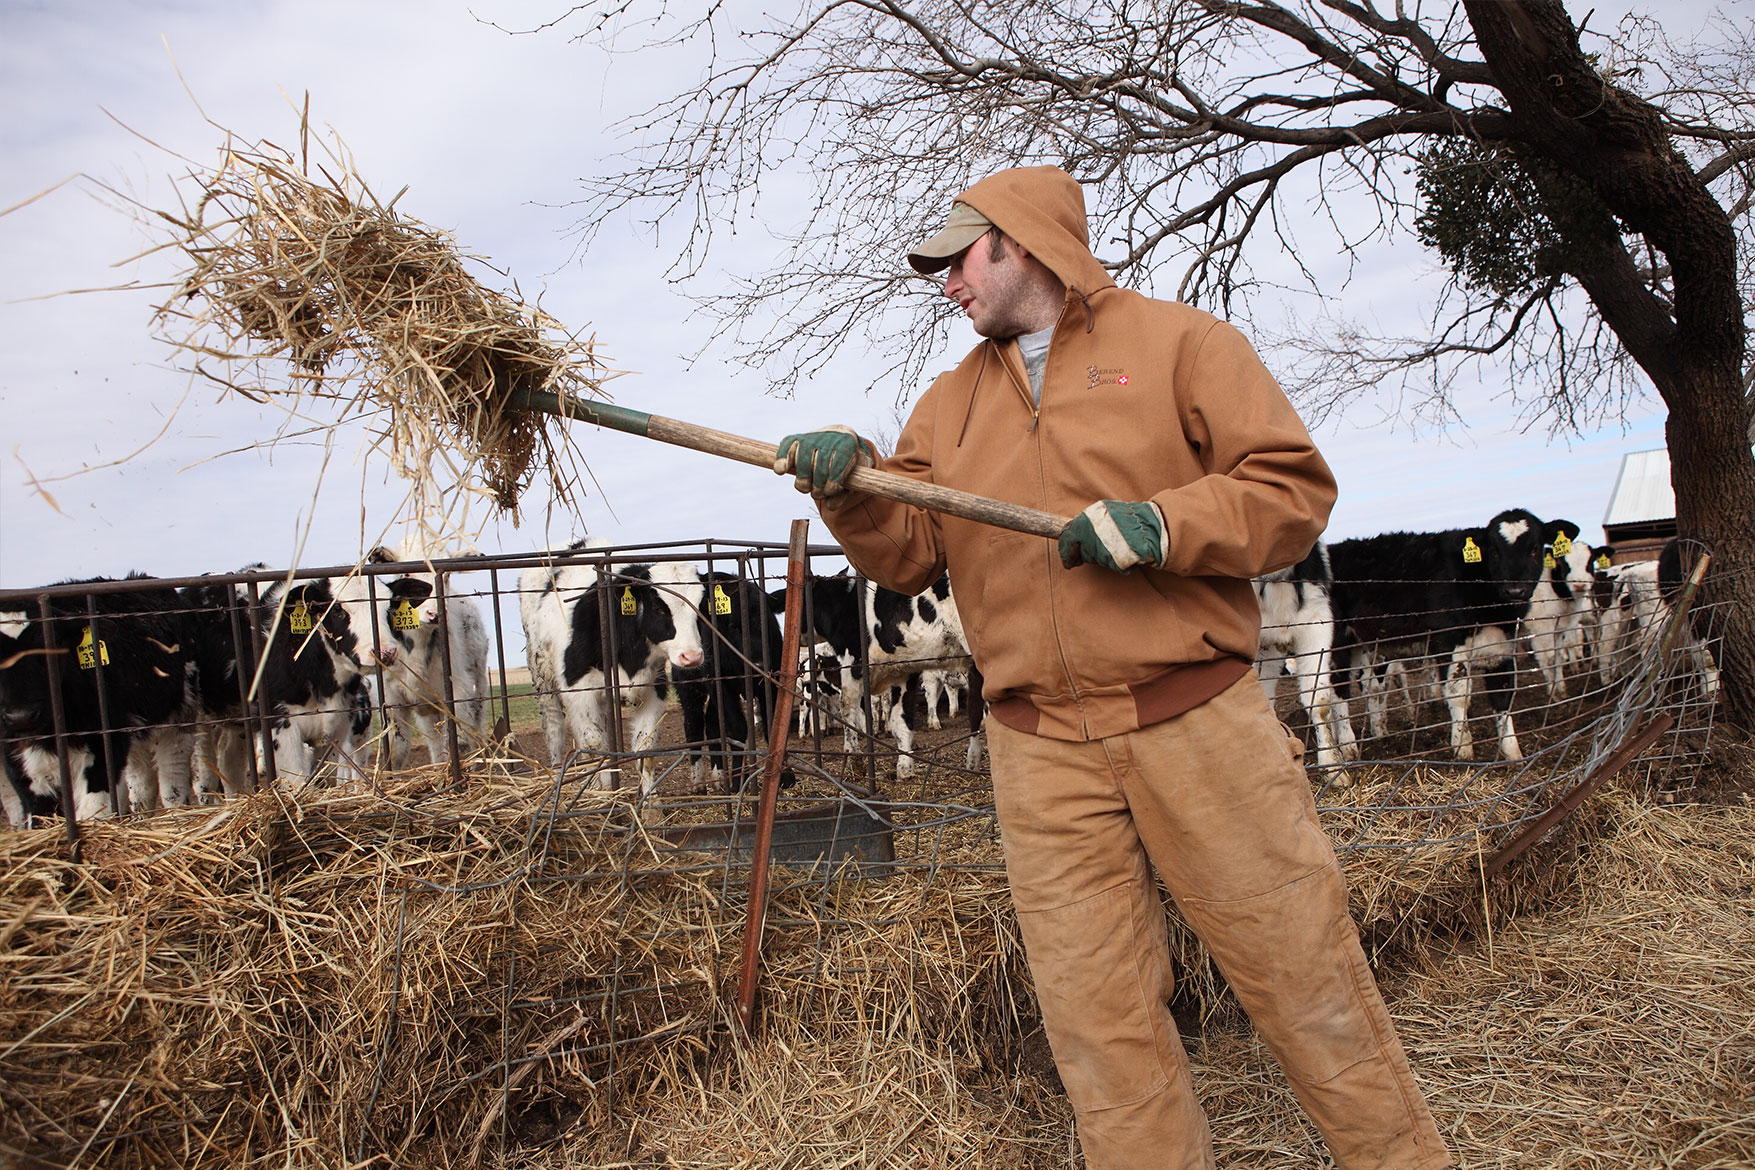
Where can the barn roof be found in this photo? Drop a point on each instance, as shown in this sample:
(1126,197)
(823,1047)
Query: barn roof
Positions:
(1642,490)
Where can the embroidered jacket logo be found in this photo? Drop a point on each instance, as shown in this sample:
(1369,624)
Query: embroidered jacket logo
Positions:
(1105,376)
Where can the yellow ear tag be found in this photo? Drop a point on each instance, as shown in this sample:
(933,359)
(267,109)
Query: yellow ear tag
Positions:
(404,616)
(89,654)
(628,606)
(1602,560)
(1562,545)
(721,603)
(1471,551)
(1548,561)
(300,619)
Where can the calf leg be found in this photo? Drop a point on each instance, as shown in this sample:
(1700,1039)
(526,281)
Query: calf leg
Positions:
(205,776)
(15,795)
(1489,650)
(648,711)
(932,682)
(218,762)
(977,717)
(1458,689)
(1268,668)
(1501,686)
(852,716)
(1545,645)
(734,732)
(587,720)
(42,768)
(693,698)
(1374,681)
(293,754)
(904,737)
(1327,711)
(554,726)
(172,749)
(140,774)
(426,722)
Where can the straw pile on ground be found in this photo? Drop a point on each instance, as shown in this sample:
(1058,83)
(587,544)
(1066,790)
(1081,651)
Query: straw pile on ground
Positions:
(423,977)
(1419,833)
(312,292)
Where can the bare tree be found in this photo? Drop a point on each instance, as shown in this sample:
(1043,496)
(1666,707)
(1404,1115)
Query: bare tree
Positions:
(1591,208)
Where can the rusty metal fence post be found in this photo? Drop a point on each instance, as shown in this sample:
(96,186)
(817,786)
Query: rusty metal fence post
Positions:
(796,556)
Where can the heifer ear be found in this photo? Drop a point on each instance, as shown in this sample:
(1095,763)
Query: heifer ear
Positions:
(777,600)
(411,589)
(1558,528)
(380,556)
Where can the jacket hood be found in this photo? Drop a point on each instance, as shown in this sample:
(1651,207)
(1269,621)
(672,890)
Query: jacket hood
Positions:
(1043,208)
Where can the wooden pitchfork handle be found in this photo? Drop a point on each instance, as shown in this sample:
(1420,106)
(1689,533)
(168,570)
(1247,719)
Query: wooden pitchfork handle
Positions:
(759,454)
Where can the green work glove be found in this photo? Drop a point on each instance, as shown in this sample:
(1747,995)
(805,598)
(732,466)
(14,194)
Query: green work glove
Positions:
(1116,535)
(821,461)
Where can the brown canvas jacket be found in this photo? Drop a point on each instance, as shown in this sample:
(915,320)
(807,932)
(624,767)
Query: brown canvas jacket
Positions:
(1141,399)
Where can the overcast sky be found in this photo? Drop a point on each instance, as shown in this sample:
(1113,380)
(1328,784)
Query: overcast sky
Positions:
(490,134)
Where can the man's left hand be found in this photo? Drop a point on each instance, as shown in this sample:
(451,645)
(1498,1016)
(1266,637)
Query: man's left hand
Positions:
(1115,534)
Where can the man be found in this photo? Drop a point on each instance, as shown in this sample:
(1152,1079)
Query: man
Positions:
(1128,731)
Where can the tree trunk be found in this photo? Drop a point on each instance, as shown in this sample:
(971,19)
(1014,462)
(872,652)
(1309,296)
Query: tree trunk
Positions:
(1713,475)
(1615,143)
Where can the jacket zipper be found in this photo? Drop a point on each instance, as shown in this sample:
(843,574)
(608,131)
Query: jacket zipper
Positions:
(1052,553)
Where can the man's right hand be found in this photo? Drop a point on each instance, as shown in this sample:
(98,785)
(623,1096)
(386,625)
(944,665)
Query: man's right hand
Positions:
(821,461)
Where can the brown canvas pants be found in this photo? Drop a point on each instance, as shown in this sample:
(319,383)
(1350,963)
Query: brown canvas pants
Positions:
(1217,800)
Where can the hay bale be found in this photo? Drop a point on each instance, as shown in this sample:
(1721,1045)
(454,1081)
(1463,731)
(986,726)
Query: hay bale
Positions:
(303,979)
(424,973)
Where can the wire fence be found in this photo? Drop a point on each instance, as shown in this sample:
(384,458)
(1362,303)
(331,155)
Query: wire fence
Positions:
(660,828)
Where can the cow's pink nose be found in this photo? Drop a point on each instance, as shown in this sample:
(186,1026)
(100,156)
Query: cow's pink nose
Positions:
(689,658)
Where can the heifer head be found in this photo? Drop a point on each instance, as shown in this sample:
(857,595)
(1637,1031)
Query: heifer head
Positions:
(1507,552)
(671,620)
(834,611)
(315,623)
(1565,558)
(413,603)
(411,608)
(24,679)
(1602,574)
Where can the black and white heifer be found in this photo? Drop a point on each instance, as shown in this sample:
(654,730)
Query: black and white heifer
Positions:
(654,618)
(220,646)
(1457,595)
(736,679)
(123,686)
(1640,605)
(1561,608)
(411,655)
(821,675)
(312,680)
(1297,637)
(901,637)
(310,684)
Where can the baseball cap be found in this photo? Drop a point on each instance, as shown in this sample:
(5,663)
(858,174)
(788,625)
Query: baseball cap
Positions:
(965,226)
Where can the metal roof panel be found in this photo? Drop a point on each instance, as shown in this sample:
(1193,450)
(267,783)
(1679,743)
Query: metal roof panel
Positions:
(1642,490)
